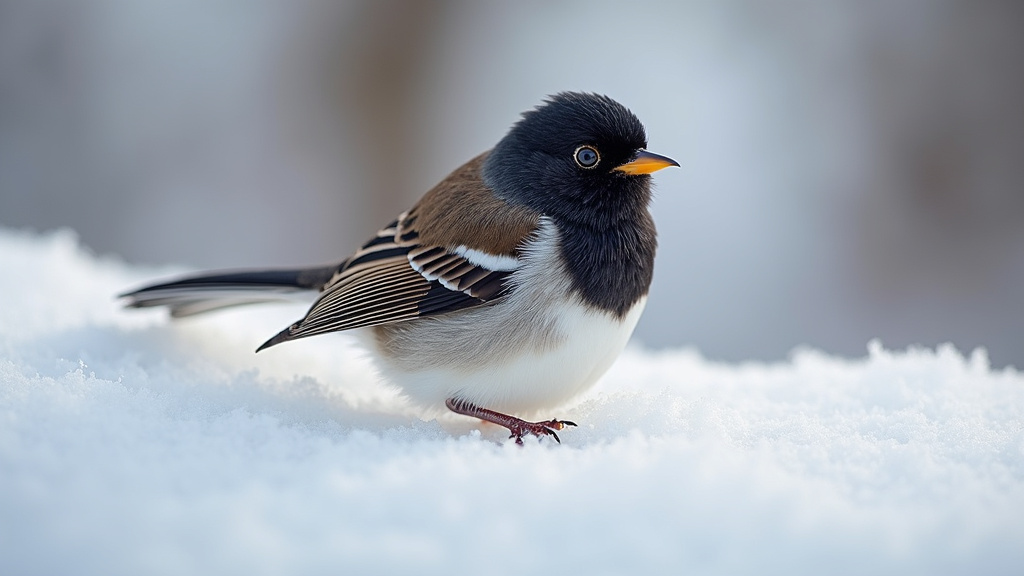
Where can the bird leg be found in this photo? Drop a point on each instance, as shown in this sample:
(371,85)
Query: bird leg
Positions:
(517,426)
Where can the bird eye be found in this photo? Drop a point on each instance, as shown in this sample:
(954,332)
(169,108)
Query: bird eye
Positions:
(587,157)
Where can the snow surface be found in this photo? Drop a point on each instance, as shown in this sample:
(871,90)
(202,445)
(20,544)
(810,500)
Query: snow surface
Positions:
(130,444)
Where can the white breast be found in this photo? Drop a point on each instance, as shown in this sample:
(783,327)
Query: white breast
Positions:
(536,349)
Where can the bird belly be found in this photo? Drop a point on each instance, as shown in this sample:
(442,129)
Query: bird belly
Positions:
(504,357)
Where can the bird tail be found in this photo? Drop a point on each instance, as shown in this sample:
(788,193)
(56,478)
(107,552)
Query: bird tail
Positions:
(215,290)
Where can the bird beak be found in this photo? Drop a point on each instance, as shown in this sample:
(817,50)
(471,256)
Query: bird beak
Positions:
(646,162)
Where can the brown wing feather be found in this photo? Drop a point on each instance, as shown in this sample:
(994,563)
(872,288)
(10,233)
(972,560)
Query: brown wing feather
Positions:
(461,210)
(409,270)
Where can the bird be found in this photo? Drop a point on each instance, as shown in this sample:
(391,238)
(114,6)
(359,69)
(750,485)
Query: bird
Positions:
(509,288)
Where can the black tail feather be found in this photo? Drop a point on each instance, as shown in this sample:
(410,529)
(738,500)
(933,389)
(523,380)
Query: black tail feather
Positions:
(216,290)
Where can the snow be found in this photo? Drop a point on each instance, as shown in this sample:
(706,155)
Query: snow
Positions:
(130,444)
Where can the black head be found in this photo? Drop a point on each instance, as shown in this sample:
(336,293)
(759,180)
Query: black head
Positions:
(578,158)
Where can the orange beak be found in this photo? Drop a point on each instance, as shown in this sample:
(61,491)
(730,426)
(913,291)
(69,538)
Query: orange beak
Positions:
(646,162)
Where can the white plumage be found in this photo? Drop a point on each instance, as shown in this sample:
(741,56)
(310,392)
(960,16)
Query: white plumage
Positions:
(538,347)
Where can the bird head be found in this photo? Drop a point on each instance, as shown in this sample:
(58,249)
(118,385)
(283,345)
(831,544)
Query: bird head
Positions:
(578,157)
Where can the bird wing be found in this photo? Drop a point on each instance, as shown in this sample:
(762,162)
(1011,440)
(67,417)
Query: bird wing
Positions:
(417,267)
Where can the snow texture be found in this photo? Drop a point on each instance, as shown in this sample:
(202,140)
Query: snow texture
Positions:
(130,444)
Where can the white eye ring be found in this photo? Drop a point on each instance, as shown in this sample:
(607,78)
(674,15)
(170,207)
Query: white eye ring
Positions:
(586,157)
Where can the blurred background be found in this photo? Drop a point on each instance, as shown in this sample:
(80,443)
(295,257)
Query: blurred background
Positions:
(850,170)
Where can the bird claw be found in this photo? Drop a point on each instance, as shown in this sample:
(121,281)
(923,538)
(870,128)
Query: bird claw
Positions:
(517,426)
(546,428)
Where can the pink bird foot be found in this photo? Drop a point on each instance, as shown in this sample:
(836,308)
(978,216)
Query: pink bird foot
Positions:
(517,426)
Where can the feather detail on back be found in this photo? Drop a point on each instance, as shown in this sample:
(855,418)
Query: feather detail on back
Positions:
(405,272)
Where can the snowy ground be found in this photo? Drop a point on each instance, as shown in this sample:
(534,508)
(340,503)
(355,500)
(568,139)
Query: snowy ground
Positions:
(132,445)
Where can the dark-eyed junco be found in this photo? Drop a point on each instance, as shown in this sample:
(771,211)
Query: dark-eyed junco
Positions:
(510,287)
